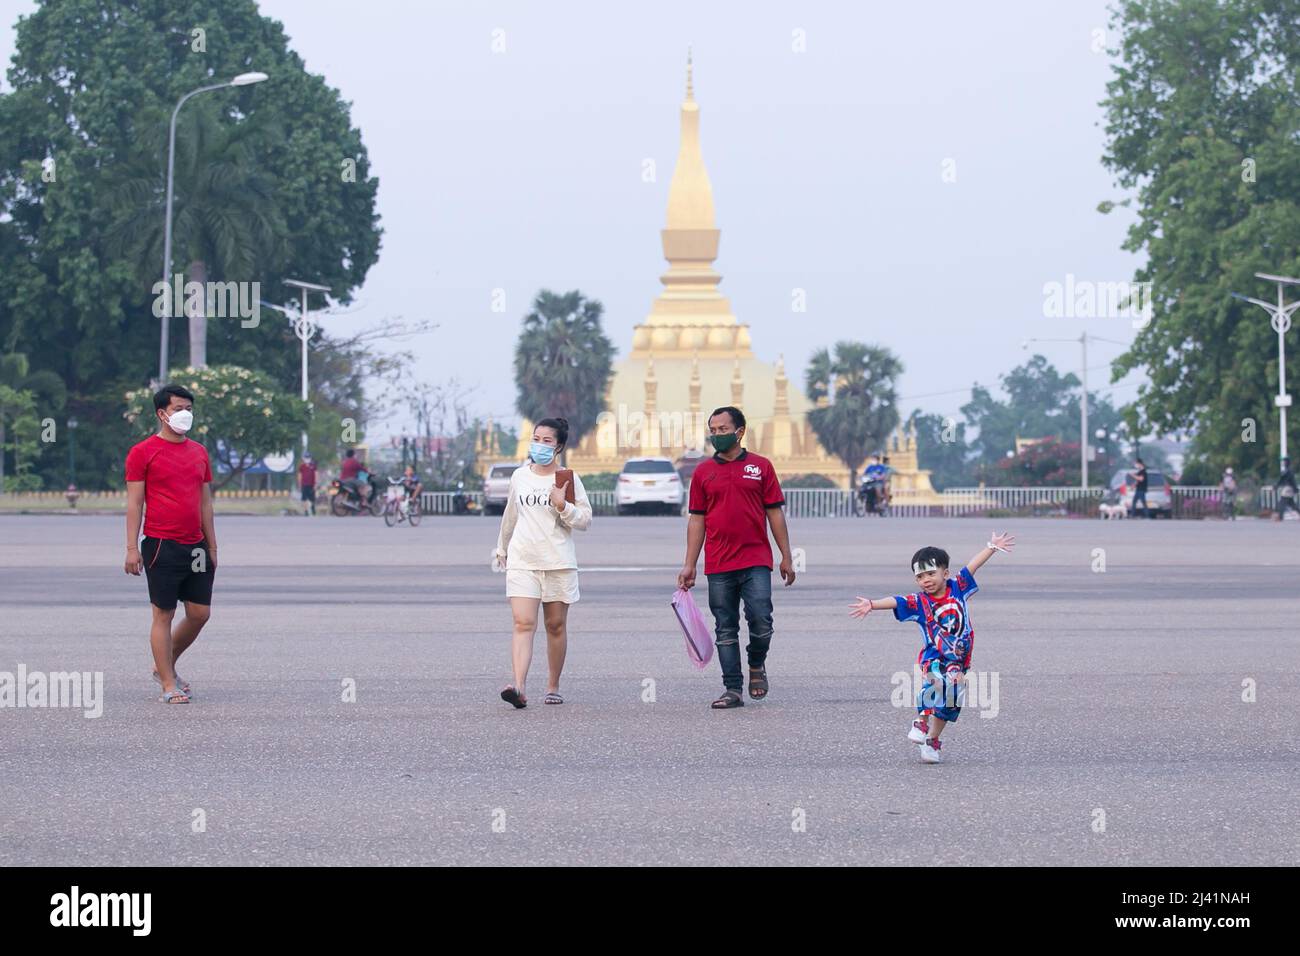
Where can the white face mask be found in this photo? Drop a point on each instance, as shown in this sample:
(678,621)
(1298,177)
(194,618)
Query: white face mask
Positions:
(181,421)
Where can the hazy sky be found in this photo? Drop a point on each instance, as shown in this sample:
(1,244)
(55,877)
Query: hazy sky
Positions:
(522,169)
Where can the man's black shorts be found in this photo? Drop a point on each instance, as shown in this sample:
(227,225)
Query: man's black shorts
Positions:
(177,572)
(309,493)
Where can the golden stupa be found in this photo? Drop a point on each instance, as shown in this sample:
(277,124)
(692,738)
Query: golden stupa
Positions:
(691,355)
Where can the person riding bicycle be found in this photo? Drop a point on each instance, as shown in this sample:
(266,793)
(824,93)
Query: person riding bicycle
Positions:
(411,481)
(1228,493)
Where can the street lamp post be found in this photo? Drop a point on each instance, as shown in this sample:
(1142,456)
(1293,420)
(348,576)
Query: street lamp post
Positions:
(244,79)
(1083,340)
(304,326)
(72,451)
(1280,319)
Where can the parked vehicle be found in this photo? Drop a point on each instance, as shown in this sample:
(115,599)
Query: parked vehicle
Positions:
(496,486)
(1160,496)
(463,504)
(649,483)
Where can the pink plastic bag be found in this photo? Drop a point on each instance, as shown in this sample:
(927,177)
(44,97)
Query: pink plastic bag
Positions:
(699,638)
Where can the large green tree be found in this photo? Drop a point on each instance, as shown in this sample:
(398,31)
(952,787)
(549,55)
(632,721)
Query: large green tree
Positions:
(1201,121)
(859,384)
(563,362)
(1040,403)
(94,83)
(941,448)
(26,399)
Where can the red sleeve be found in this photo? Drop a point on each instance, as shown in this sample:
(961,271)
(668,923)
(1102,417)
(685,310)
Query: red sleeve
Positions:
(772,495)
(207,466)
(697,505)
(136,464)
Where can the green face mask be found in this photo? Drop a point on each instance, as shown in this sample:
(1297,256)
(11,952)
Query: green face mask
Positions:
(724,443)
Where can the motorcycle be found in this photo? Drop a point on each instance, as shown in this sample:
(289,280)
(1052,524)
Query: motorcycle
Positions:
(873,498)
(346,499)
(463,504)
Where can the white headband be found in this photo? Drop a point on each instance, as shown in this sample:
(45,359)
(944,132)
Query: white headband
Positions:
(919,567)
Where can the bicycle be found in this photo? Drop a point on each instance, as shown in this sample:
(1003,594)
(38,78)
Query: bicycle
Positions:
(399,506)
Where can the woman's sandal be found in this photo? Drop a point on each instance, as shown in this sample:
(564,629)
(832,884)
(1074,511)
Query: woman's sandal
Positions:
(181,681)
(513,697)
(728,700)
(758,682)
(553,698)
(175,697)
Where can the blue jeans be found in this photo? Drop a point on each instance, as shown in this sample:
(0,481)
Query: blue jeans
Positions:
(726,591)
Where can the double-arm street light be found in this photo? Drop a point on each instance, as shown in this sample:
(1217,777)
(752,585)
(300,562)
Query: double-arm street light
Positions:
(1280,318)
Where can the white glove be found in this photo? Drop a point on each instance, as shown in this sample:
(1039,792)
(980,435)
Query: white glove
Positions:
(498,561)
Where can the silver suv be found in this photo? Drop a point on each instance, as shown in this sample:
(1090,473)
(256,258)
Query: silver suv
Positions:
(496,487)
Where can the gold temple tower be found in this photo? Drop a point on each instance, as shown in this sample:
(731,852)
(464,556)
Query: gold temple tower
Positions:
(691,355)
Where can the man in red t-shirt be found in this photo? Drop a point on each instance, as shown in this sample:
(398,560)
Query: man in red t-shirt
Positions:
(307,481)
(735,495)
(170,477)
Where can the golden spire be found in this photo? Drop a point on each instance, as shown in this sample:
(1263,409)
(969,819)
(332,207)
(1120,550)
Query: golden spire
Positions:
(689,312)
(737,385)
(782,401)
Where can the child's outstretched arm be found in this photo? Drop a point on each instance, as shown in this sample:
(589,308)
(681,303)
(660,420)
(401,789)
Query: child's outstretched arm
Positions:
(1001,541)
(864,606)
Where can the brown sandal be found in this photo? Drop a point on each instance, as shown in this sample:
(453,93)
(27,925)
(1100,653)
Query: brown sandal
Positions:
(758,682)
(728,700)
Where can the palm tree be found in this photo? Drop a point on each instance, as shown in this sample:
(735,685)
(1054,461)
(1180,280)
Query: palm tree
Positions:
(563,362)
(855,394)
(225,221)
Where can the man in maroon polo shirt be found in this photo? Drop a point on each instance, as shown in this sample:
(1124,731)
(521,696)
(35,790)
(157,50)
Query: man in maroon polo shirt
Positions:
(170,477)
(735,495)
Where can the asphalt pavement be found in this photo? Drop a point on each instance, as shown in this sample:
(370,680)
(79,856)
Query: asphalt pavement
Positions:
(1140,686)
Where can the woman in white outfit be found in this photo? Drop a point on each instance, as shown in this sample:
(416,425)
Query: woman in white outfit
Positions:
(535,549)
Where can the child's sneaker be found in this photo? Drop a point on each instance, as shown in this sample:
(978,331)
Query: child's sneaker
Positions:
(920,730)
(931,751)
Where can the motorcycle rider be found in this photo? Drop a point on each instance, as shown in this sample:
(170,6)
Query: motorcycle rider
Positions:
(352,473)
(872,483)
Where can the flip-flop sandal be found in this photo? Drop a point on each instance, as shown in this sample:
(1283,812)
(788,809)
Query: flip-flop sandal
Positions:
(513,697)
(174,697)
(728,700)
(184,684)
(553,698)
(758,682)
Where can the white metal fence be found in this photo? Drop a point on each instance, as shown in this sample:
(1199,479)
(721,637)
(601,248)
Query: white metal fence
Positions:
(1189,501)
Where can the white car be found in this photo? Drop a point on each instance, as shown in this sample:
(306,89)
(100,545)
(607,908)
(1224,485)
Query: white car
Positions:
(649,483)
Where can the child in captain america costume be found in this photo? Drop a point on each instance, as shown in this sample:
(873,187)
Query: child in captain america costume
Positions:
(948,637)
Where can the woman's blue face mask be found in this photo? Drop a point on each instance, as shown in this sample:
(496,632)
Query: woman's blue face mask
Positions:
(540,453)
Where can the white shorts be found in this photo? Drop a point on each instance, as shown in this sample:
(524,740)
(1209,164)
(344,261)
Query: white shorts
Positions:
(557,585)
